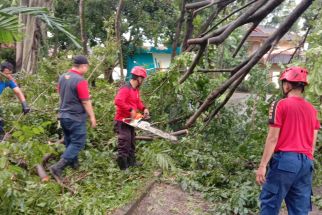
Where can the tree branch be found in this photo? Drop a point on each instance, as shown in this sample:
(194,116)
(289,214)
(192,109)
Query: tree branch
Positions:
(178,30)
(254,26)
(194,63)
(189,30)
(214,70)
(196,5)
(237,23)
(227,17)
(305,37)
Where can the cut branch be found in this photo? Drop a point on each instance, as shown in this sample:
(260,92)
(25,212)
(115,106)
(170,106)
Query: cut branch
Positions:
(42,173)
(180,133)
(144,138)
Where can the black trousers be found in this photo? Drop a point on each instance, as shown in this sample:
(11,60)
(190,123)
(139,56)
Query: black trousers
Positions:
(126,139)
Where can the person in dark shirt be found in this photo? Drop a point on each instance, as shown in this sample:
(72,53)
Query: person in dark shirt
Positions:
(75,107)
(128,102)
(6,80)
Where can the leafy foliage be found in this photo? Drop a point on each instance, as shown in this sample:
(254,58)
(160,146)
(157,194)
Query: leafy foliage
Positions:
(217,160)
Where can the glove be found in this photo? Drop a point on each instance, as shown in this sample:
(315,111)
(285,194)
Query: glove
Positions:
(25,108)
(146,113)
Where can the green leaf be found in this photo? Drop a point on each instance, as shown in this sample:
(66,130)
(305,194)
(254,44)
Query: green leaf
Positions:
(3,162)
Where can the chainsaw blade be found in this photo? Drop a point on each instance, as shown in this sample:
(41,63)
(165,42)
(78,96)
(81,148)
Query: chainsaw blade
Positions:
(147,127)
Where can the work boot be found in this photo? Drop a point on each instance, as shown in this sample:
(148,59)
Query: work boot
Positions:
(122,163)
(132,162)
(75,164)
(57,169)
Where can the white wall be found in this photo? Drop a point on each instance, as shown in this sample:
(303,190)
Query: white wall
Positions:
(275,78)
(116,75)
(162,60)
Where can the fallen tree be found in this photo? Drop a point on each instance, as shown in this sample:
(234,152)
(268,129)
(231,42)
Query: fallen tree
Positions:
(254,12)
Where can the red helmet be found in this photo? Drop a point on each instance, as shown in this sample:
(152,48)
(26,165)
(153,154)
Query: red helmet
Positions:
(295,74)
(139,71)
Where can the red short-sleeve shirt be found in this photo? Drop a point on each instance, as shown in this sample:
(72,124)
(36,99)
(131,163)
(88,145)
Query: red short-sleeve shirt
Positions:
(297,119)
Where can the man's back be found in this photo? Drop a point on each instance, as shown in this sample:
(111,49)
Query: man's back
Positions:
(70,103)
(297,120)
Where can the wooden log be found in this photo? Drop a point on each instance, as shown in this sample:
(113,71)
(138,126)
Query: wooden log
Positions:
(144,138)
(42,173)
(181,132)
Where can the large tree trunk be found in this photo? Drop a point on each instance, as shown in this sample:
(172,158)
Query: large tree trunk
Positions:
(82,27)
(118,35)
(34,32)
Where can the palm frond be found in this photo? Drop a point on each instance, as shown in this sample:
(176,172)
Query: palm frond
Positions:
(24,10)
(9,23)
(9,28)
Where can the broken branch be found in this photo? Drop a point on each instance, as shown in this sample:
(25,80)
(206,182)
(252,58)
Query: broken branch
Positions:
(194,63)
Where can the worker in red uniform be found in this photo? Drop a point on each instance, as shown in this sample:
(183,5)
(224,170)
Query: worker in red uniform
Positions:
(75,108)
(289,149)
(128,103)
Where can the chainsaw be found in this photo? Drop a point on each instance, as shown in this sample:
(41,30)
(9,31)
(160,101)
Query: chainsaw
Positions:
(138,122)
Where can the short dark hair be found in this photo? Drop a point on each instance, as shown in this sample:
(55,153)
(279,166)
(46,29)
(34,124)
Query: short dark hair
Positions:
(135,77)
(6,65)
(297,85)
